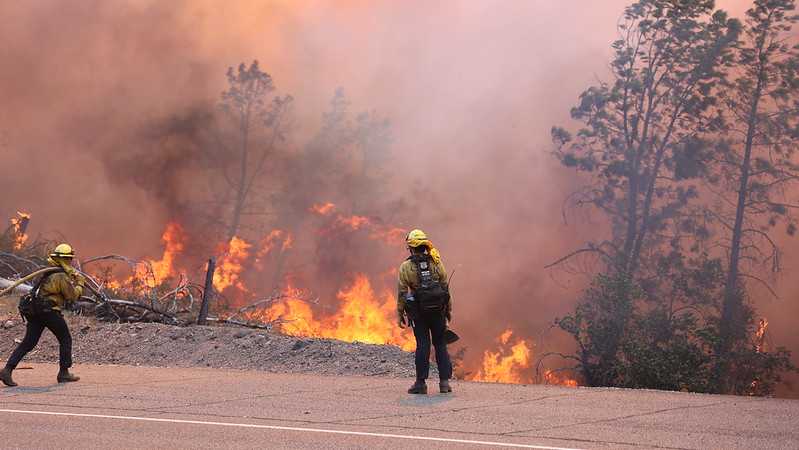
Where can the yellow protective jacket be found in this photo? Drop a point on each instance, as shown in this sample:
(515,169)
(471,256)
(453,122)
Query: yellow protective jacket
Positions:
(60,289)
(409,280)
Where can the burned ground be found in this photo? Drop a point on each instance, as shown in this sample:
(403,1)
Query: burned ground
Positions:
(159,345)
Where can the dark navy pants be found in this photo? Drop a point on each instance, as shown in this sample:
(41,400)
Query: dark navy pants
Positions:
(429,328)
(54,322)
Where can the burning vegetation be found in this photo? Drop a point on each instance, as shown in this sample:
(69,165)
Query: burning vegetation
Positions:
(19,228)
(508,364)
(302,199)
(359,312)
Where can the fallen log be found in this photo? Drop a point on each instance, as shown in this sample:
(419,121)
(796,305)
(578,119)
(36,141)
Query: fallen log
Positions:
(19,289)
(125,310)
(134,305)
(102,299)
(10,286)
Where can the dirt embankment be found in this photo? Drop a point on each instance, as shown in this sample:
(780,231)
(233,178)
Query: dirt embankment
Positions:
(152,344)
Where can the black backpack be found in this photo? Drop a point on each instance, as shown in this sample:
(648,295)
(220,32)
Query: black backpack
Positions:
(430,295)
(31,305)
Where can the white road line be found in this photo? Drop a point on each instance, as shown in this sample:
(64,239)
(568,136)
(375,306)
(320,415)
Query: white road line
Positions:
(281,428)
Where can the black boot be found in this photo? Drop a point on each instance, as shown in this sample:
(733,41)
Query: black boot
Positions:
(420,387)
(65,377)
(444,387)
(5,377)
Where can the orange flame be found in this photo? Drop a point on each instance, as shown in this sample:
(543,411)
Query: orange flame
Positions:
(159,270)
(362,316)
(269,242)
(760,347)
(390,235)
(288,242)
(19,227)
(760,335)
(323,209)
(377,230)
(354,222)
(505,336)
(507,365)
(231,265)
(550,377)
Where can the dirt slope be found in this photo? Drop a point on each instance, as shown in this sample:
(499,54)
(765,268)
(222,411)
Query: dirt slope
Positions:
(151,344)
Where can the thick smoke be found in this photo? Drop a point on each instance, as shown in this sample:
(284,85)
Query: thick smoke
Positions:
(105,105)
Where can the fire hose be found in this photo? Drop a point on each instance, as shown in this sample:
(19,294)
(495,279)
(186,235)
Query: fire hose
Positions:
(93,287)
(28,277)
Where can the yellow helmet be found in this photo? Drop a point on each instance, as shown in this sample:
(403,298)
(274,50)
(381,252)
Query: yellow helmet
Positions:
(63,251)
(416,238)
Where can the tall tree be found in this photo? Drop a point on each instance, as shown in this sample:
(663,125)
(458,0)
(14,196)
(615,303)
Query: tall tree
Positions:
(638,128)
(639,134)
(342,164)
(259,124)
(663,127)
(757,159)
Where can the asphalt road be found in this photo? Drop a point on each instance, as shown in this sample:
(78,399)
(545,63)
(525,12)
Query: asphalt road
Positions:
(138,407)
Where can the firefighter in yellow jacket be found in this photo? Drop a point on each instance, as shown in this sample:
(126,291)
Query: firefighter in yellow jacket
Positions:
(56,291)
(423,301)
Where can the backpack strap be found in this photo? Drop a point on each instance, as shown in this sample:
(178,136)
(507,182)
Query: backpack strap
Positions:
(36,288)
(30,303)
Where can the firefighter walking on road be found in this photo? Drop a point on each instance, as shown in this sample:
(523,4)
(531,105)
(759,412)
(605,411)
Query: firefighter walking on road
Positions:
(423,301)
(49,297)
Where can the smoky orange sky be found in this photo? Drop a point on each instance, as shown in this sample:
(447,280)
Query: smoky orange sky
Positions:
(471,88)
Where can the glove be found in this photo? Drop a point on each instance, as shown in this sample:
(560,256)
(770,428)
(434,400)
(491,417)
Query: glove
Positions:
(79,279)
(403,321)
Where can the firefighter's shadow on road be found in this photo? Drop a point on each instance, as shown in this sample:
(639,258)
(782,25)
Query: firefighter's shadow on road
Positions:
(426,400)
(33,389)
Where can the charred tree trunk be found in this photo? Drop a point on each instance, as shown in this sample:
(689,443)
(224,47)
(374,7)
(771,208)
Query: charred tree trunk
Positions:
(731,325)
(632,219)
(277,276)
(241,189)
(208,292)
(636,180)
(646,213)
